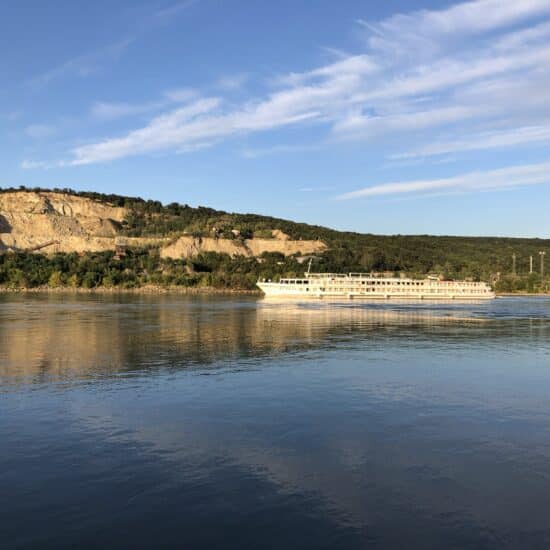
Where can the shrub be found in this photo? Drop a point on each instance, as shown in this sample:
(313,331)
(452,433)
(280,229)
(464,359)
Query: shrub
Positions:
(56,279)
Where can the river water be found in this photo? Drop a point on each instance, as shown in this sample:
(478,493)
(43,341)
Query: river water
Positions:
(208,422)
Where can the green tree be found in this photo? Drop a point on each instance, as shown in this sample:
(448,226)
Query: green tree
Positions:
(73,281)
(56,279)
(17,279)
(90,279)
(107,282)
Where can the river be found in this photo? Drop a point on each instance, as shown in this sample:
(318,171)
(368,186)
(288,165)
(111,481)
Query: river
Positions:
(211,422)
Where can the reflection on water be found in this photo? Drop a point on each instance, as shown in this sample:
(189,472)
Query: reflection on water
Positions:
(200,422)
(60,337)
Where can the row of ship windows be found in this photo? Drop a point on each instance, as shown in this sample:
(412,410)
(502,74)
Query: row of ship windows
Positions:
(352,283)
(430,291)
(377,283)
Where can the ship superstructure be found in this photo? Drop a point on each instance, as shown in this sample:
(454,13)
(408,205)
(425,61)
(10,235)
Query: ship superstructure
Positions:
(364,285)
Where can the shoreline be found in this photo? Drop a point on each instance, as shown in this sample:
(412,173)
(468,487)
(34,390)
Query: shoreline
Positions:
(138,290)
(150,289)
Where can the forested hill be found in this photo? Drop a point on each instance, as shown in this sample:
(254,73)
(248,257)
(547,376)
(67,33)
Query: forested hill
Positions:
(453,257)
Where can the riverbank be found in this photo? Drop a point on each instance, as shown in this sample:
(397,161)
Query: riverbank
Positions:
(151,289)
(148,289)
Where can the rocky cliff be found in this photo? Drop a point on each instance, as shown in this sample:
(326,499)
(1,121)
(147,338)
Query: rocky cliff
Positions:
(188,246)
(71,224)
(49,222)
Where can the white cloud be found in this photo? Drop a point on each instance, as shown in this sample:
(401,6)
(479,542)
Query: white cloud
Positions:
(425,29)
(163,130)
(514,176)
(35,165)
(186,128)
(480,141)
(355,65)
(474,62)
(371,126)
(104,110)
(202,121)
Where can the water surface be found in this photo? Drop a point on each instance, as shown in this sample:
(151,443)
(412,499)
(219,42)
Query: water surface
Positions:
(208,422)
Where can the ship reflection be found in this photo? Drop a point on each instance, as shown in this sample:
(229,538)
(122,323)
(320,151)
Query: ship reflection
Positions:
(60,337)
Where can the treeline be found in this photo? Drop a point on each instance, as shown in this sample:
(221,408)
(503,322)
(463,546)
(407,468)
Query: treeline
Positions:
(145,268)
(477,258)
(531,283)
(139,268)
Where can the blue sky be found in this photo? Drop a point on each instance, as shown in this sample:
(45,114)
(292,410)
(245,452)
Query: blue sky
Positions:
(394,117)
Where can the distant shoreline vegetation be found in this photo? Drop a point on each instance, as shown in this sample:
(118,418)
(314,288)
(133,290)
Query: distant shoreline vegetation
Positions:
(477,258)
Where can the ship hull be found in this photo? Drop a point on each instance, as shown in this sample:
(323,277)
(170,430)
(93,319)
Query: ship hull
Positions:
(276,290)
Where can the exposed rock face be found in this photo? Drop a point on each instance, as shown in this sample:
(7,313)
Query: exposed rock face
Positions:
(26,202)
(77,224)
(188,246)
(286,247)
(280,235)
(29,219)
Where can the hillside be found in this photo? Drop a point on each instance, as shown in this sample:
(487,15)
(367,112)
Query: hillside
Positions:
(64,222)
(71,238)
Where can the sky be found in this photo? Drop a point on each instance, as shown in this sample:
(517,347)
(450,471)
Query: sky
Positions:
(394,117)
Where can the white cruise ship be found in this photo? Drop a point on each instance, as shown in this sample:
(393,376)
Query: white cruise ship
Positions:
(363,285)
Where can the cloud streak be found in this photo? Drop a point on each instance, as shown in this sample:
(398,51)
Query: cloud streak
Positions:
(502,178)
(483,140)
(110,111)
(426,30)
(82,66)
(162,131)
(456,70)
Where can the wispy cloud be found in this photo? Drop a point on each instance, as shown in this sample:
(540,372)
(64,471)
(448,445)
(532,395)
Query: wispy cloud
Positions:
(429,30)
(162,131)
(106,110)
(171,130)
(278,149)
(480,141)
(181,94)
(92,62)
(34,165)
(109,111)
(40,131)
(452,69)
(317,189)
(174,9)
(232,82)
(82,66)
(355,126)
(514,176)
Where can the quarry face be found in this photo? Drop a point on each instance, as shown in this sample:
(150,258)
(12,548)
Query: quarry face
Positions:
(49,222)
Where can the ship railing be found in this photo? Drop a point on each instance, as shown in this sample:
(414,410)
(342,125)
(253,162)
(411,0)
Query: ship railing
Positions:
(340,275)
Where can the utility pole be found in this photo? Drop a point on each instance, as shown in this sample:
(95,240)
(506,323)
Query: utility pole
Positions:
(542,254)
(514,264)
(530,265)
